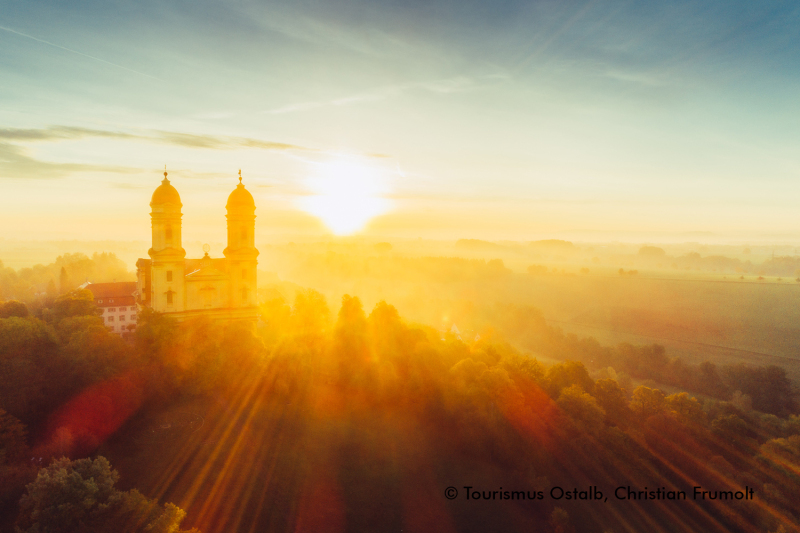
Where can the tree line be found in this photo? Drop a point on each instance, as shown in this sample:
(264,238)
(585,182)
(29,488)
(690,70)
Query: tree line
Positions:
(358,421)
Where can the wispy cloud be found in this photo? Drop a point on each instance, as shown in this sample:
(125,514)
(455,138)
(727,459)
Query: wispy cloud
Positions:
(15,163)
(189,140)
(221,142)
(76,52)
(646,79)
(56,133)
(367,40)
(443,86)
(451,85)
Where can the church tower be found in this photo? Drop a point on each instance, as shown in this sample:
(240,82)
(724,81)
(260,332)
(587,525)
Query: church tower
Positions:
(167,253)
(241,251)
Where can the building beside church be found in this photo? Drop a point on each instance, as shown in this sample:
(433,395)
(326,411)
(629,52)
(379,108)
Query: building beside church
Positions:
(117,303)
(222,288)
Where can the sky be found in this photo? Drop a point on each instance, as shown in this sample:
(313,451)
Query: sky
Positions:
(440,119)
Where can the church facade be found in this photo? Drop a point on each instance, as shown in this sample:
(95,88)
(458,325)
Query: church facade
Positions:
(222,288)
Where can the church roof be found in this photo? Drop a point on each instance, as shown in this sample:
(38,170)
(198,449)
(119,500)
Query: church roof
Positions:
(205,267)
(240,197)
(165,194)
(194,264)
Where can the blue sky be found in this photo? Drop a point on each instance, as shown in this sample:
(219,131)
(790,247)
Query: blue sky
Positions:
(495,120)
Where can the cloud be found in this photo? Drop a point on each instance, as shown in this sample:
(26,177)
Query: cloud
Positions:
(325,31)
(645,79)
(77,52)
(213,142)
(57,133)
(189,140)
(14,163)
(442,86)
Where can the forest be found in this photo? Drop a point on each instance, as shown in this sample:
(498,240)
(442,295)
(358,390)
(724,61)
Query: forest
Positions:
(359,420)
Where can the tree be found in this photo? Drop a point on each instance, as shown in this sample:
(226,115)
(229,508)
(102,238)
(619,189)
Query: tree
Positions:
(729,426)
(351,346)
(310,314)
(768,387)
(582,408)
(13,308)
(688,409)
(611,397)
(25,337)
(709,382)
(525,367)
(275,313)
(28,360)
(652,251)
(79,496)
(51,290)
(63,281)
(568,373)
(646,402)
(13,437)
(495,267)
(74,303)
(387,330)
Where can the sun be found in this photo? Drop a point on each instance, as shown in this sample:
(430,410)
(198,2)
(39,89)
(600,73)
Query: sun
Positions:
(346,194)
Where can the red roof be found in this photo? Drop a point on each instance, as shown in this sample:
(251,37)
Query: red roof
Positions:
(121,292)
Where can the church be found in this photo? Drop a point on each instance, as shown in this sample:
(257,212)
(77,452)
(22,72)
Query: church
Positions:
(221,288)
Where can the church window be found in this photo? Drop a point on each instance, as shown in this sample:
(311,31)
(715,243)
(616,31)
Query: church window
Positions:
(112,309)
(122,318)
(169,275)
(169,234)
(111,319)
(169,297)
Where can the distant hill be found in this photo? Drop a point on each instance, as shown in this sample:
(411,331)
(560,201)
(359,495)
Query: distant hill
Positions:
(553,244)
(476,245)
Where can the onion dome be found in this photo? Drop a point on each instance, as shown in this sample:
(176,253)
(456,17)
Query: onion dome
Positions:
(165,194)
(240,198)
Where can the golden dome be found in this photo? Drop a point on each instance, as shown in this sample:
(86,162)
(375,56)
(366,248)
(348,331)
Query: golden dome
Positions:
(165,194)
(240,197)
